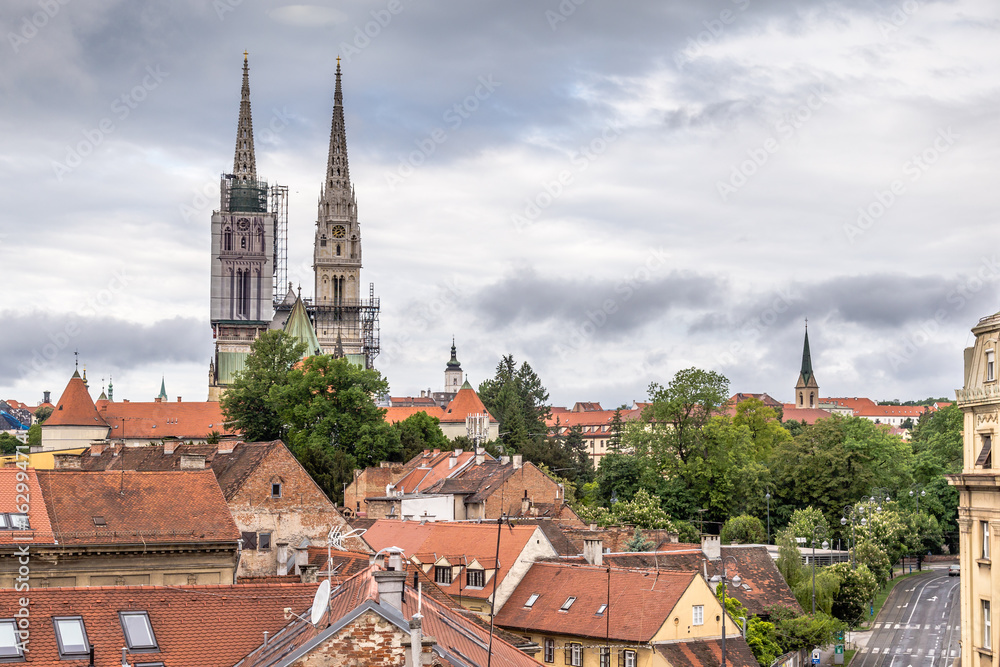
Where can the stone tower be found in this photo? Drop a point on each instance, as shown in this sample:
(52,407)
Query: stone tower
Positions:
(806,389)
(453,372)
(242,256)
(342,319)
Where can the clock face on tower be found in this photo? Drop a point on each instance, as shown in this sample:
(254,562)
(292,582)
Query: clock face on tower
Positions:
(339,232)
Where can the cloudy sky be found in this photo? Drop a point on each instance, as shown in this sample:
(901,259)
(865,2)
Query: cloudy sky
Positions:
(610,191)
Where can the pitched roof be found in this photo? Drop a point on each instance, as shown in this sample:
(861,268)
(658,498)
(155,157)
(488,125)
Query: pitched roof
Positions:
(806,415)
(194,626)
(466,402)
(38,515)
(397,414)
(439,467)
(640,601)
(707,653)
(299,327)
(162,419)
(231,468)
(459,640)
(75,407)
(137,507)
(460,543)
(762,587)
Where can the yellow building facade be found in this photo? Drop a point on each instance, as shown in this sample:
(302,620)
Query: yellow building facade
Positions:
(979,498)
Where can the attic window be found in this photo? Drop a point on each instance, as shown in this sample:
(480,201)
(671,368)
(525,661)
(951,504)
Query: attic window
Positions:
(568,603)
(442,574)
(276,489)
(138,632)
(72,637)
(10,647)
(99,521)
(531,600)
(600,610)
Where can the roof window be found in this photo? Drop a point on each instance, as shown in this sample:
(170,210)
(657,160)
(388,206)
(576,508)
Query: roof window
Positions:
(10,647)
(99,521)
(600,610)
(138,632)
(531,600)
(72,637)
(568,603)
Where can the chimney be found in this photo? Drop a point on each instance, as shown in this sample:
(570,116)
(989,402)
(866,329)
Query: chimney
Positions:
(711,547)
(97,448)
(225,446)
(518,461)
(178,399)
(452,462)
(480,455)
(192,461)
(593,550)
(504,460)
(458,451)
(45,397)
(525,504)
(169,446)
(390,588)
(67,461)
(157,400)
(308,573)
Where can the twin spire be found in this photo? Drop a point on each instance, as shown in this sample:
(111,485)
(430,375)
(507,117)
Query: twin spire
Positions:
(244,163)
(338,177)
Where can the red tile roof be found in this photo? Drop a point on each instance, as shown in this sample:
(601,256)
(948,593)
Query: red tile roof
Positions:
(460,543)
(137,507)
(454,633)
(158,420)
(38,515)
(435,469)
(398,414)
(640,602)
(194,626)
(75,407)
(708,653)
(807,415)
(466,402)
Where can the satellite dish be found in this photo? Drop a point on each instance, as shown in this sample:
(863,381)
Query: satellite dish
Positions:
(320,601)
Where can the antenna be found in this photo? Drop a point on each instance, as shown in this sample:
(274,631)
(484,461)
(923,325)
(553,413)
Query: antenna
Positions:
(320,601)
(337,537)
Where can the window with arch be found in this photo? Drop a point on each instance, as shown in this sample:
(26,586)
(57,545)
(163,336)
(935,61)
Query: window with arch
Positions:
(338,250)
(243,242)
(227,239)
(812,400)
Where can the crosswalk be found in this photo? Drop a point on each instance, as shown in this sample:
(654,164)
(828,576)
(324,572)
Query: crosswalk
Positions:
(900,651)
(913,626)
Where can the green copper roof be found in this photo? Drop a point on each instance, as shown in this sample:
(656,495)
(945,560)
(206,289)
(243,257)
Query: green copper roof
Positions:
(163,389)
(453,362)
(301,329)
(230,364)
(466,385)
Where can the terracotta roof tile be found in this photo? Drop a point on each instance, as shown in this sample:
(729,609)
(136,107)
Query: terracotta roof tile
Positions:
(38,515)
(194,626)
(707,653)
(640,601)
(75,407)
(158,420)
(397,414)
(136,507)
(466,402)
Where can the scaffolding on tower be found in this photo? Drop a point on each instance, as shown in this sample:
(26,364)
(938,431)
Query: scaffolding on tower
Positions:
(369,327)
(279,208)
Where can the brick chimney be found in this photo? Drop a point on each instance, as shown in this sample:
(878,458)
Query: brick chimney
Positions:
(711,547)
(307,573)
(67,461)
(518,461)
(593,550)
(225,446)
(390,588)
(97,448)
(192,461)
(525,504)
(169,446)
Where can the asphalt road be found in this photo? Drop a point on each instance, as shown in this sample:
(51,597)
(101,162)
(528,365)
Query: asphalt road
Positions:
(919,626)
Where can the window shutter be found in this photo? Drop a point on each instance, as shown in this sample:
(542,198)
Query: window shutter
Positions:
(249,540)
(569,654)
(621,658)
(984,454)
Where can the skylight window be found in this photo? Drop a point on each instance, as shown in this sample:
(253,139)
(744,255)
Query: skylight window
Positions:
(138,632)
(600,610)
(72,637)
(99,521)
(10,647)
(531,600)
(568,603)
(19,521)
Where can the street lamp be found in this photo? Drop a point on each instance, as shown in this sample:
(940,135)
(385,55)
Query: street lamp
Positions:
(825,546)
(918,495)
(767,497)
(854,512)
(725,579)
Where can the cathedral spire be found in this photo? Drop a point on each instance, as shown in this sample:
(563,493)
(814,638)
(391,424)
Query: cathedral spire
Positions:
(244,163)
(338,176)
(807,367)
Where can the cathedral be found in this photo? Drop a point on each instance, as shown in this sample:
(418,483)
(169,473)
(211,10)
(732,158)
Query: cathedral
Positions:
(250,258)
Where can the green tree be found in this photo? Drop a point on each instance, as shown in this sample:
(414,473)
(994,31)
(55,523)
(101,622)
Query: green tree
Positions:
(789,558)
(807,522)
(643,511)
(517,398)
(327,406)
(638,542)
(418,432)
(615,441)
(857,590)
(41,414)
(35,435)
(247,405)
(8,444)
(760,635)
(795,632)
(213,438)
(743,529)
(827,587)
(937,449)
(681,409)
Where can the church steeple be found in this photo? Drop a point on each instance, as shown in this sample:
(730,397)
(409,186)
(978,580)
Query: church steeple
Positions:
(806,389)
(338,175)
(244,162)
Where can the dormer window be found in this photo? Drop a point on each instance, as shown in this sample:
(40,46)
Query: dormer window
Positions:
(442,574)
(568,603)
(475,578)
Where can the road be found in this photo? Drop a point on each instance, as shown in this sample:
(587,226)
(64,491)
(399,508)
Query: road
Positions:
(919,625)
